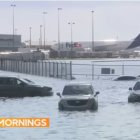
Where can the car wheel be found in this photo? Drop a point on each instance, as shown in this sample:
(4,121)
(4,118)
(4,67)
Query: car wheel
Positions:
(133,98)
(61,107)
(94,106)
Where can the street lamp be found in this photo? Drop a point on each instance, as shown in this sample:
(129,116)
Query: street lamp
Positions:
(44,23)
(71,24)
(13,6)
(15,31)
(30,36)
(92,14)
(59,30)
(40,35)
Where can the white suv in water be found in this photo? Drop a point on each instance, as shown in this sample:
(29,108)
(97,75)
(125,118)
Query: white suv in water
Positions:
(78,97)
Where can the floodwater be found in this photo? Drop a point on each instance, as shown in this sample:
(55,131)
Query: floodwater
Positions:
(116,119)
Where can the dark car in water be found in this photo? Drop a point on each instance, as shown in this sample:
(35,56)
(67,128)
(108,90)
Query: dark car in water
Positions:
(78,97)
(126,78)
(134,93)
(22,87)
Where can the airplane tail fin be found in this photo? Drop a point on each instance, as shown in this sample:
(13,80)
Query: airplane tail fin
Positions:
(135,43)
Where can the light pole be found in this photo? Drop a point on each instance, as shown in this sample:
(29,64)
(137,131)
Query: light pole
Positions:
(44,23)
(40,35)
(30,36)
(15,31)
(13,6)
(71,24)
(59,30)
(92,14)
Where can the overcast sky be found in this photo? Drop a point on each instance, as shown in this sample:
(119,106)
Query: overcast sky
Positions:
(112,20)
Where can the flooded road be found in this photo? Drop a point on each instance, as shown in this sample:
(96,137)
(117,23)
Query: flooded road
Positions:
(116,119)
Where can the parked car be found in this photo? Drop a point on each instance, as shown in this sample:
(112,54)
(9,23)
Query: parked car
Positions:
(78,97)
(21,87)
(134,93)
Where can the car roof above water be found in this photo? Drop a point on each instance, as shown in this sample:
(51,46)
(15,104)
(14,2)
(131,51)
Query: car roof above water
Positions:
(17,77)
(126,77)
(78,84)
(8,76)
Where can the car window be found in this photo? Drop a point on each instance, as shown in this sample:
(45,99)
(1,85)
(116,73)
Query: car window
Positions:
(77,89)
(8,81)
(19,82)
(137,86)
(12,81)
(3,81)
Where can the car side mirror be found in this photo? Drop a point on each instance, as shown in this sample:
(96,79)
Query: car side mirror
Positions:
(130,88)
(22,84)
(96,93)
(58,94)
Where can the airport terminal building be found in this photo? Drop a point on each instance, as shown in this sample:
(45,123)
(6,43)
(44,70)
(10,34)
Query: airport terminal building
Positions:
(8,42)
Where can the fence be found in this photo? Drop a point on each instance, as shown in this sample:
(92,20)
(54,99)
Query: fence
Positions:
(105,69)
(40,68)
(76,69)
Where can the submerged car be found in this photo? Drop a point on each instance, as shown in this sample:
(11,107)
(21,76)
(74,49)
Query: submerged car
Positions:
(22,87)
(78,97)
(134,93)
(126,78)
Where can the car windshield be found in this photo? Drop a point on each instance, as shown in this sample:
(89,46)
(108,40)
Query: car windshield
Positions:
(137,86)
(27,81)
(77,89)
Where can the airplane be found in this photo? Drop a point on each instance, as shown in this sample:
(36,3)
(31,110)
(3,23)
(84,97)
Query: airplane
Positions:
(128,46)
(109,45)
